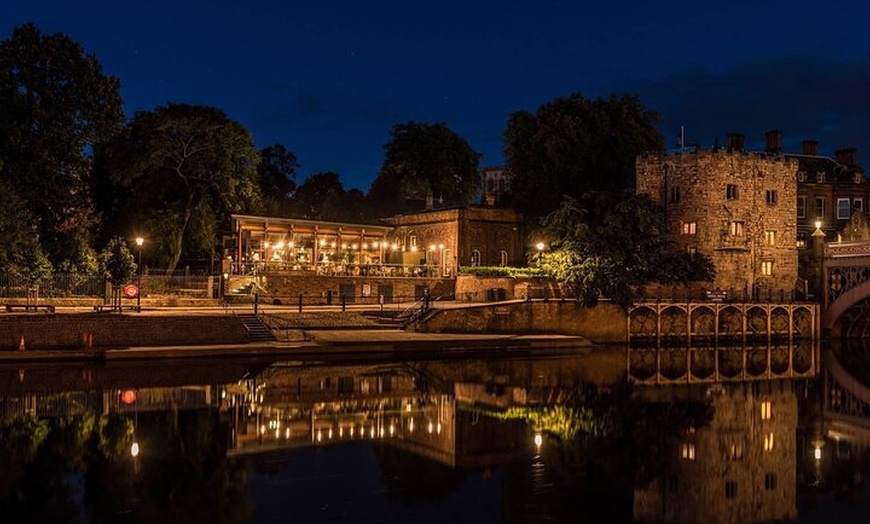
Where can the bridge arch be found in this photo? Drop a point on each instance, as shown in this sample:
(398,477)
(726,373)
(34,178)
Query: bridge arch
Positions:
(839,306)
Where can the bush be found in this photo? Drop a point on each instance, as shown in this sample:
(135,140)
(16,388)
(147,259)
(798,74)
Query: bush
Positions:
(502,271)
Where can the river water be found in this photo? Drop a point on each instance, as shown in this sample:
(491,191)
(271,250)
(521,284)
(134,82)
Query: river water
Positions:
(512,439)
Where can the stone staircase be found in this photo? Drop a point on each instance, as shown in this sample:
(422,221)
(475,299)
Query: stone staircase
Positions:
(257,330)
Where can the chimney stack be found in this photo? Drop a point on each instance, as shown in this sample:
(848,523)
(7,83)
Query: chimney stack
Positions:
(810,148)
(735,142)
(773,141)
(848,157)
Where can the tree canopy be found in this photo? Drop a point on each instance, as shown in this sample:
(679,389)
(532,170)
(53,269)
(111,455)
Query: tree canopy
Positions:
(573,145)
(425,162)
(611,244)
(183,169)
(55,105)
(277,175)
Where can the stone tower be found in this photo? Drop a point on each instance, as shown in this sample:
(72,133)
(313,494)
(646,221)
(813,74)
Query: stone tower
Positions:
(739,208)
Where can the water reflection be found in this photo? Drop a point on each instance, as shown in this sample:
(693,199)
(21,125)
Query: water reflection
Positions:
(557,439)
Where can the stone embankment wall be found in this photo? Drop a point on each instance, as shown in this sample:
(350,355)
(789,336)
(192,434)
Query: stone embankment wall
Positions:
(603,324)
(108,330)
(472,288)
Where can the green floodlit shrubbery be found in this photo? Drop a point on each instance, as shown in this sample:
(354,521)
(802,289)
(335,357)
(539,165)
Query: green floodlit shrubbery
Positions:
(502,271)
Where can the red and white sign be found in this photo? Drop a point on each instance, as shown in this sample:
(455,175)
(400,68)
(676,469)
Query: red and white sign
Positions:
(131,291)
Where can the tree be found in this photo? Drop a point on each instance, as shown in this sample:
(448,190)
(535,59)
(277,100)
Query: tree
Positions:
(277,175)
(611,244)
(181,170)
(425,162)
(573,145)
(313,194)
(20,251)
(55,104)
(118,265)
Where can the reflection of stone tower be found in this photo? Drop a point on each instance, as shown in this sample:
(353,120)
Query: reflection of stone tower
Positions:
(739,469)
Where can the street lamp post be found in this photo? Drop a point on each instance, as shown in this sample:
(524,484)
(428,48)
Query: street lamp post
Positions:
(139,242)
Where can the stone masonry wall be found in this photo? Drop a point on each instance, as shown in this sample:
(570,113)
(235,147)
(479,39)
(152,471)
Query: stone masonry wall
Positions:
(603,324)
(746,229)
(113,330)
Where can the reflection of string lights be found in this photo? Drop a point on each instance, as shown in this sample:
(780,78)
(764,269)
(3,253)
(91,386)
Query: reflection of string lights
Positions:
(411,425)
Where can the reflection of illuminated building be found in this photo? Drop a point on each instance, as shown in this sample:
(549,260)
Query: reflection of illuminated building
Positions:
(741,468)
(324,406)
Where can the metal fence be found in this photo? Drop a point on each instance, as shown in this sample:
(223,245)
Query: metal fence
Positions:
(75,286)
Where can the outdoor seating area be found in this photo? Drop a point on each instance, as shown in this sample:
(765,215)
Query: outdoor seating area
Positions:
(341,270)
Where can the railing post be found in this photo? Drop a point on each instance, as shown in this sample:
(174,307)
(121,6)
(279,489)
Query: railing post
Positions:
(343,303)
(300,302)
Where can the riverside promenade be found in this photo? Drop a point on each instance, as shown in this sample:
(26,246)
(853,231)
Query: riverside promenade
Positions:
(329,332)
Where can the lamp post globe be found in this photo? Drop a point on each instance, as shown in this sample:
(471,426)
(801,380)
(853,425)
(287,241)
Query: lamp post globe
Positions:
(139,242)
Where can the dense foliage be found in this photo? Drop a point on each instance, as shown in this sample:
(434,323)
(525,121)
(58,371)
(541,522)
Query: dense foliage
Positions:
(573,145)
(182,170)
(611,244)
(55,105)
(425,162)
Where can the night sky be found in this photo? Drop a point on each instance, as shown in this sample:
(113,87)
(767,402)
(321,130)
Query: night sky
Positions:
(329,78)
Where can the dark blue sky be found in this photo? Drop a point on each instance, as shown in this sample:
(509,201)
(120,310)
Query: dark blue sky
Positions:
(329,78)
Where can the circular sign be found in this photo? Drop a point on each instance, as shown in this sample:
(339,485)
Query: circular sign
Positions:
(128,396)
(131,291)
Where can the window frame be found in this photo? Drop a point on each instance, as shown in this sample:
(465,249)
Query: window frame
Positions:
(771,196)
(731,192)
(844,213)
(820,209)
(802,206)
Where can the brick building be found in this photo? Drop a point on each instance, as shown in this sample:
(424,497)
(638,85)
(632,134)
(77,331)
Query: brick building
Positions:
(494,183)
(830,191)
(465,236)
(739,208)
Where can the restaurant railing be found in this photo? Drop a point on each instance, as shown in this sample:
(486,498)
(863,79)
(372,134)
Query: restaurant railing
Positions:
(348,270)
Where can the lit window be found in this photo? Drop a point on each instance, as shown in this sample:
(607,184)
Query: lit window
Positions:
(731,192)
(802,207)
(735,451)
(765,410)
(735,228)
(767,268)
(770,196)
(730,489)
(770,237)
(844,208)
(768,442)
(802,239)
(692,250)
(675,194)
(770,481)
(687,451)
(690,228)
(412,240)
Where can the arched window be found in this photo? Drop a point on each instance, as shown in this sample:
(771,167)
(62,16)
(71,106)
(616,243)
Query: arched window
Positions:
(504,258)
(475,258)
